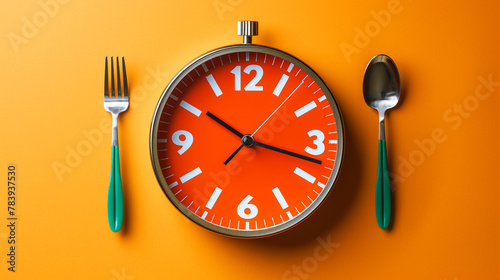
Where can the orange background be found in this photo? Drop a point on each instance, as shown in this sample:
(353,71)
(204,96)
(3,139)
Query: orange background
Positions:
(442,139)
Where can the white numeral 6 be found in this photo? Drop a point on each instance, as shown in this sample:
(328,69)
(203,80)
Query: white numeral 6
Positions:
(244,205)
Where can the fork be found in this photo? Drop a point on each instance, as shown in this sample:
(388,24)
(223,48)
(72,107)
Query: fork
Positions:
(115,104)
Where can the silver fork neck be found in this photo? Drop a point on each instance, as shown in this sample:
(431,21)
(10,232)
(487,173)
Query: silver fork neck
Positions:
(114,134)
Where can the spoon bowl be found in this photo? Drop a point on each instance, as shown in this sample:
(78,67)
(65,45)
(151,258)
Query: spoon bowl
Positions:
(381,84)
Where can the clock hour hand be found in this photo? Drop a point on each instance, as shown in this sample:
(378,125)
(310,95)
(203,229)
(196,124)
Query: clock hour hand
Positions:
(279,150)
(224,124)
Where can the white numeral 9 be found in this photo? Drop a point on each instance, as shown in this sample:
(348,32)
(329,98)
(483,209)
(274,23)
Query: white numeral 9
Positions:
(320,147)
(244,205)
(184,143)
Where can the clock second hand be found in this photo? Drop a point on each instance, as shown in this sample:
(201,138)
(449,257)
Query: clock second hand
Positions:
(248,140)
(290,95)
(237,133)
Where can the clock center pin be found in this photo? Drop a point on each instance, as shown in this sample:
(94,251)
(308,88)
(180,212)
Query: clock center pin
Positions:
(247,140)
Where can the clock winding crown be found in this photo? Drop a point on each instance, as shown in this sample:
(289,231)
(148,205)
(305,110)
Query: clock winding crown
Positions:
(247,29)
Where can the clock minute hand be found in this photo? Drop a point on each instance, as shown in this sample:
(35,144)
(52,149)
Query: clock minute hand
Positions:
(249,141)
(230,128)
(224,124)
(279,150)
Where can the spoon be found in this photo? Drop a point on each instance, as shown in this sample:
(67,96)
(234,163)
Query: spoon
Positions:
(381,90)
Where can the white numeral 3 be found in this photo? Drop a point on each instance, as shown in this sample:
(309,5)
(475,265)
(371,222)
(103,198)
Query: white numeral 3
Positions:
(320,147)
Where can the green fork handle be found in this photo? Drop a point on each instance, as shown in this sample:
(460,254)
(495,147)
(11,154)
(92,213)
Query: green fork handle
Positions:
(383,189)
(115,194)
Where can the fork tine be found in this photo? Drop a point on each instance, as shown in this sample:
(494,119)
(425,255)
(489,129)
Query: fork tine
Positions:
(106,83)
(118,82)
(125,85)
(112,79)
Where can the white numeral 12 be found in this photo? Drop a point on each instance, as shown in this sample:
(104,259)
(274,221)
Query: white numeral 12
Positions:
(252,85)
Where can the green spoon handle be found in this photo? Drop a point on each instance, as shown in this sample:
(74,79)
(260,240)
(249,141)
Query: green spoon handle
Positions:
(115,194)
(383,189)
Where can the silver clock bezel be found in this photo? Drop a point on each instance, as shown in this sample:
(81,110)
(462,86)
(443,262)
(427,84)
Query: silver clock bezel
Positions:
(233,232)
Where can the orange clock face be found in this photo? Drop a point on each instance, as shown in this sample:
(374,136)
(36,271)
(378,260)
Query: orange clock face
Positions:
(246,141)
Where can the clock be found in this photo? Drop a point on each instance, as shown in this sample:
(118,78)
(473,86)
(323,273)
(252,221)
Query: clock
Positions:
(246,140)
